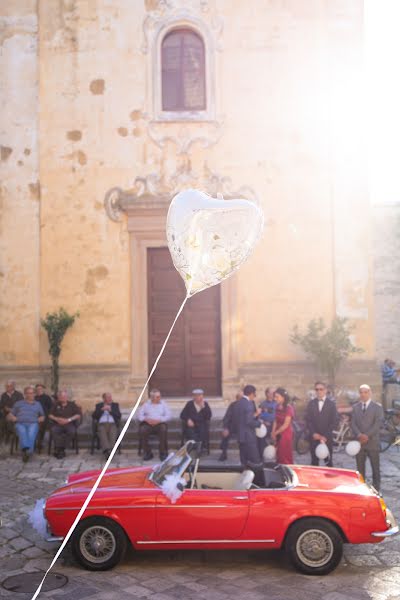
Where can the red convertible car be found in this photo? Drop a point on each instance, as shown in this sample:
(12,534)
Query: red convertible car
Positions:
(309,511)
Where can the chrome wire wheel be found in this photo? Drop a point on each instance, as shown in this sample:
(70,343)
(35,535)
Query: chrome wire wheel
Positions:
(97,544)
(314,548)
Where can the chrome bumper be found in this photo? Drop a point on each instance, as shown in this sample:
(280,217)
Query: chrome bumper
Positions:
(393,528)
(54,539)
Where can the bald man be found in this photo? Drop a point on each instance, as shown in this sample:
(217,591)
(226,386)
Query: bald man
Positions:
(366,422)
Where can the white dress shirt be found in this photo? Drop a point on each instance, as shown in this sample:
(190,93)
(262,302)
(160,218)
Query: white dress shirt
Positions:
(321,403)
(107,417)
(151,410)
(366,404)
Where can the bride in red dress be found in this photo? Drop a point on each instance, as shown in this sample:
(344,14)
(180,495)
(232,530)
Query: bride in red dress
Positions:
(282,430)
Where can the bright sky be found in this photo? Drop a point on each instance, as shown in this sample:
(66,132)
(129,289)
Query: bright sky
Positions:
(382,69)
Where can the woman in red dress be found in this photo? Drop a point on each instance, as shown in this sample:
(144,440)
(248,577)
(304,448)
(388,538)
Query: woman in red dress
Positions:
(282,430)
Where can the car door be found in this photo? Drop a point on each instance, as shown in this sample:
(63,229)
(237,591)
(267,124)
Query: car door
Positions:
(269,511)
(202,515)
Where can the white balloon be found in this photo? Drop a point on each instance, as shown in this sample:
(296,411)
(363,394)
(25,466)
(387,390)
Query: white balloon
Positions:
(269,453)
(261,431)
(353,447)
(322,451)
(210,238)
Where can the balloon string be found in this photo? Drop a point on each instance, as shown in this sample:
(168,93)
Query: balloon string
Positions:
(113,451)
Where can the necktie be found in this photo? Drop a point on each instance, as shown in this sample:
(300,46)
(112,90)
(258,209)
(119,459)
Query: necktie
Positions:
(364,408)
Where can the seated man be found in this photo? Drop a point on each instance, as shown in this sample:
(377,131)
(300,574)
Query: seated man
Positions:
(196,417)
(27,414)
(8,398)
(153,417)
(64,416)
(46,401)
(108,416)
(389,373)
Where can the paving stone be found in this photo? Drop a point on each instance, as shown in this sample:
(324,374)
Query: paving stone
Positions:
(20,543)
(39,564)
(8,534)
(33,552)
(138,591)
(364,560)
(12,563)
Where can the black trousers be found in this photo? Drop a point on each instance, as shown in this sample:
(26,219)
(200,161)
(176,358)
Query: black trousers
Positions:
(198,433)
(160,430)
(374,459)
(225,442)
(62,434)
(314,459)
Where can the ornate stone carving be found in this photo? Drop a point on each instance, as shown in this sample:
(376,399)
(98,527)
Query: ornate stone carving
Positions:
(152,190)
(112,205)
(186,135)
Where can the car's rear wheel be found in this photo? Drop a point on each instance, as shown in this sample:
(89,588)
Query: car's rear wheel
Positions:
(314,546)
(99,544)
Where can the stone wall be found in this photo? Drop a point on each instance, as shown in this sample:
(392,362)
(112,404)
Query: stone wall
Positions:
(19,185)
(386,251)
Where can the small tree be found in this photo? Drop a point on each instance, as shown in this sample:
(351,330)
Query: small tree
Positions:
(328,347)
(56,324)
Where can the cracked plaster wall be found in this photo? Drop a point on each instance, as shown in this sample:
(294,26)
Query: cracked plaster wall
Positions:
(19,185)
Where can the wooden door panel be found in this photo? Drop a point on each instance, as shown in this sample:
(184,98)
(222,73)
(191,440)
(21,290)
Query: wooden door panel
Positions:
(192,357)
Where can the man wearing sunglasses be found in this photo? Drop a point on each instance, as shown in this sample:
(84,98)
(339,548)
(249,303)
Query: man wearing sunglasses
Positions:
(322,418)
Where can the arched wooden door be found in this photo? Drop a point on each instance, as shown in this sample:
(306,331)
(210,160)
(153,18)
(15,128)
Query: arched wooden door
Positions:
(192,357)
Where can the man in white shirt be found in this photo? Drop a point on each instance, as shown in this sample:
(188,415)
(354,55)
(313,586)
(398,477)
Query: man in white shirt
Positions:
(153,417)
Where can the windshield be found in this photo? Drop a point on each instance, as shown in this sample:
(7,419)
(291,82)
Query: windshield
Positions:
(176,463)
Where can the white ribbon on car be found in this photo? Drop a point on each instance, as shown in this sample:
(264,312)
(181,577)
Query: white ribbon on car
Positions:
(113,451)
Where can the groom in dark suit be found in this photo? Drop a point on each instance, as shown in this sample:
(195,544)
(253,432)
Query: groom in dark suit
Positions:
(322,418)
(245,425)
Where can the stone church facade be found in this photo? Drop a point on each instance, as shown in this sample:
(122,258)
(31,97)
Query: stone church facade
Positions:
(110,108)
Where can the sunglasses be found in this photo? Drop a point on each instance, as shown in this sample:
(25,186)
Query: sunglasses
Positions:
(319,389)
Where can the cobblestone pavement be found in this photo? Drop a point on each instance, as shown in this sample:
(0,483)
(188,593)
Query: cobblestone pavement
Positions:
(366,572)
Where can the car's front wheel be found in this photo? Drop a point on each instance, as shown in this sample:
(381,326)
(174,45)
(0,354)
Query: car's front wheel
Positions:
(314,546)
(99,544)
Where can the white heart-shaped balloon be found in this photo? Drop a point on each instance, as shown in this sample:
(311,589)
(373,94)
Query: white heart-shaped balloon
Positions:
(210,238)
(261,431)
(353,447)
(322,451)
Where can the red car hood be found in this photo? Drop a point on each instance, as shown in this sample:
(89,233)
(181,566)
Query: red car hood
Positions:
(328,478)
(132,477)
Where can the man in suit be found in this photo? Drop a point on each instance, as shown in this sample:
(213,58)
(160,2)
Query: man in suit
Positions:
(321,418)
(108,416)
(366,421)
(196,417)
(246,423)
(229,424)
